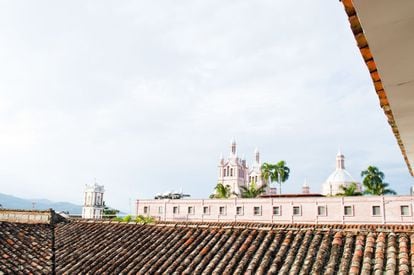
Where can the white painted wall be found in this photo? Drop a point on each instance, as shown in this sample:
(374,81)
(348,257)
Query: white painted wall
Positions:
(362,207)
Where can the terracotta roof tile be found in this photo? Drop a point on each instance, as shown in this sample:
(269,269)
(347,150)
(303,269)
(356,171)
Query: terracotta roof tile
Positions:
(25,248)
(195,248)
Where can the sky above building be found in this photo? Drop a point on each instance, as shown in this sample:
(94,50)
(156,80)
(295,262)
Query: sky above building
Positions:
(145,95)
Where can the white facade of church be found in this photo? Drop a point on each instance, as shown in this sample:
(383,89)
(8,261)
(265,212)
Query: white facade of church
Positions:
(93,203)
(339,177)
(235,172)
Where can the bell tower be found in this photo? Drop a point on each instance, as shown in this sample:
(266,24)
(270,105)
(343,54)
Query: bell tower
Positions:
(93,204)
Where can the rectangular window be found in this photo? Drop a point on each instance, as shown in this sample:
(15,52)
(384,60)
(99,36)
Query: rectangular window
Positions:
(296,211)
(321,210)
(190,210)
(206,210)
(348,210)
(276,210)
(376,210)
(176,210)
(257,211)
(239,210)
(146,209)
(160,209)
(222,210)
(405,210)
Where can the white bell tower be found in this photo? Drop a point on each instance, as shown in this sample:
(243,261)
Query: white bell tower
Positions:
(93,204)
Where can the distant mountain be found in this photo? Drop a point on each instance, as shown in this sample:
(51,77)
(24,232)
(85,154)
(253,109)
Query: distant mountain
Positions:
(12,202)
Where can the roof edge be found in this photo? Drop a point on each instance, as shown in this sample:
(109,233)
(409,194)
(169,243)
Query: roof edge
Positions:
(366,54)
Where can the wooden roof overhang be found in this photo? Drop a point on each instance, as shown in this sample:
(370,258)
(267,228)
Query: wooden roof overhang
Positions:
(384,34)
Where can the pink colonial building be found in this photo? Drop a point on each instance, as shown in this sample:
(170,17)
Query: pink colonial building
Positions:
(285,209)
(325,208)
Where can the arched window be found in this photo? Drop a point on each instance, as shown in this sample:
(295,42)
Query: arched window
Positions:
(228,170)
(231,172)
(255,179)
(224,173)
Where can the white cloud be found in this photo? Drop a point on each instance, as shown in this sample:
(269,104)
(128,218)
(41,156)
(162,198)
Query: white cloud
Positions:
(145,95)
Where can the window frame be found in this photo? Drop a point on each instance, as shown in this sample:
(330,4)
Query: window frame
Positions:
(208,210)
(254,210)
(373,211)
(160,209)
(146,209)
(176,208)
(408,210)
(351,207)
(279,207)
(190,210)
(224,212)
(297,207)
(325,212)
(241,213)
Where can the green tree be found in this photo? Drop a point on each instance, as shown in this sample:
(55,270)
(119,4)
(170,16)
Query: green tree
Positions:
(351,190)
(268,175)
(282,172)
(252,191)
(373,182)
(144,220)
(222,191)
(109,213)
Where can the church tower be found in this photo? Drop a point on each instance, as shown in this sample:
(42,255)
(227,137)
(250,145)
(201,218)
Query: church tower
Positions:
(233,170)
(93,204)
(255,173)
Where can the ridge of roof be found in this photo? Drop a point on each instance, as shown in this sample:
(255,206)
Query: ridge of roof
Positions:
(366,54)
(266,226)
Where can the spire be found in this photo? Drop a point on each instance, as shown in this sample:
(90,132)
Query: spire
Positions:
(305,188)
(340,161)
(233,146)
(257,155)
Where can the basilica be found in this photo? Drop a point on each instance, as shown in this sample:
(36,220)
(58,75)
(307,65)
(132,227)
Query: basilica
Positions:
(235,172)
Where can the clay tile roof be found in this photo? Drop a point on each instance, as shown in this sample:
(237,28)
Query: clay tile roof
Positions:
(195,248)
(25,248)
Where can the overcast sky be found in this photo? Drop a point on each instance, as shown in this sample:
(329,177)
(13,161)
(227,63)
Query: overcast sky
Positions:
(145,95)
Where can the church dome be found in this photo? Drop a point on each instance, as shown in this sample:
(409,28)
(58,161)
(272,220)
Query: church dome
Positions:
(340,177)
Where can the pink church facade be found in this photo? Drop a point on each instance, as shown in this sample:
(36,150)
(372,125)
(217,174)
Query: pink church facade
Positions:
(234,171)
(304,209)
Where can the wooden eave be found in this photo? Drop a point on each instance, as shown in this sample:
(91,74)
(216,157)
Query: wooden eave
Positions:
(363,46)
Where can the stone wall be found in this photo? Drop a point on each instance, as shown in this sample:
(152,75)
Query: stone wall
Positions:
(27,216)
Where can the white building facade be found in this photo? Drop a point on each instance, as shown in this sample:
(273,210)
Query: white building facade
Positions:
(282,210)
(235,172)
(93,203)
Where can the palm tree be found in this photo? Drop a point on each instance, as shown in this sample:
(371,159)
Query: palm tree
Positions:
(351,190)
(268,175)
(222,191)
(373,182)
(252,191)
(282,173)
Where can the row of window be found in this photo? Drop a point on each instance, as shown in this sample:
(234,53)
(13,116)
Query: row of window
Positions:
(322,210)
(253,178)
(229,172)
